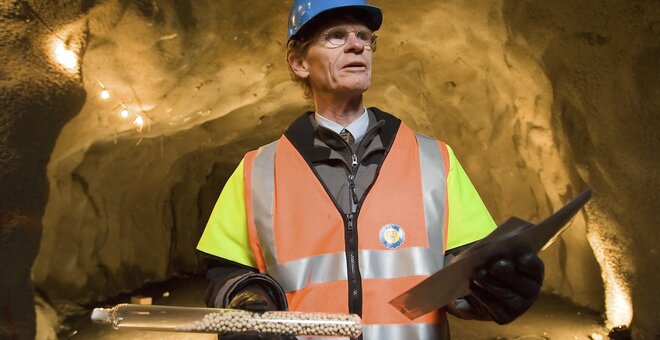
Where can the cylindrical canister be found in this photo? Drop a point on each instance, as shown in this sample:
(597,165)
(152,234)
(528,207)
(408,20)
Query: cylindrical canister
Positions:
(227,321)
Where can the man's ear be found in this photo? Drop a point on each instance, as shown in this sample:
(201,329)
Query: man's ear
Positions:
(298,65)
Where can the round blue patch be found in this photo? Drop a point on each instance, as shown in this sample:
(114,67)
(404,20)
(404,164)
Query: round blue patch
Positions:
(392,236)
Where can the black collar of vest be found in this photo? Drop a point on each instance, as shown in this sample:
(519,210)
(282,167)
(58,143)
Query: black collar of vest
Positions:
(301,133)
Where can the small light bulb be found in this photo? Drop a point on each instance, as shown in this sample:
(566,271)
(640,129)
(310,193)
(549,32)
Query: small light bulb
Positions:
(66,57)
(139,121)
(124,113)
(105,94)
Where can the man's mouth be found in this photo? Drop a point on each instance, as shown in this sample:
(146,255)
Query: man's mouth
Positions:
(355,65)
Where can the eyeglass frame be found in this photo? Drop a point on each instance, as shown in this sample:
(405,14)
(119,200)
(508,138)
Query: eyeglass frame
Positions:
(323,38)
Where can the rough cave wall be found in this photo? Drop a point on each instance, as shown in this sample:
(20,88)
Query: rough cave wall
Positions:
(539,101)
(603,61)
(37,97)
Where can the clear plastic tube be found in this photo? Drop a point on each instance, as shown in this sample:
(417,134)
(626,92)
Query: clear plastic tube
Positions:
(225,321)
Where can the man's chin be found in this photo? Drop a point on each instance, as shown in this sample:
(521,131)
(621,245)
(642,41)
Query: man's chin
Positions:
(357,87)
(353,92)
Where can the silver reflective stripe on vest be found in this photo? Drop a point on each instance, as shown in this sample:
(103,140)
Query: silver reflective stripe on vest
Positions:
(433,188)
(399,332)
(420,331)
(374,264)
(263,187)
(395,263)
(296,275)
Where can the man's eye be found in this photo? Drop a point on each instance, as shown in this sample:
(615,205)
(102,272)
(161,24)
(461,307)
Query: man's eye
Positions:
(365,35)
(337,35)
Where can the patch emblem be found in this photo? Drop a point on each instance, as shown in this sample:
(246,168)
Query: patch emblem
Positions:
(392,236)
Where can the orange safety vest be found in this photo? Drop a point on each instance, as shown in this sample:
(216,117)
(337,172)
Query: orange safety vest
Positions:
(297,234)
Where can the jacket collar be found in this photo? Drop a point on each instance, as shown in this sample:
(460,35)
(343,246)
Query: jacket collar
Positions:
(301,134)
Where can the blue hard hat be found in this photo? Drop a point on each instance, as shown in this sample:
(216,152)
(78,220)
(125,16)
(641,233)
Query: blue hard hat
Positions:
(303,11)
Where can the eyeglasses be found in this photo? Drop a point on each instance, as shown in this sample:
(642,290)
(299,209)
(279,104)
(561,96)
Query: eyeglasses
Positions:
(338,36)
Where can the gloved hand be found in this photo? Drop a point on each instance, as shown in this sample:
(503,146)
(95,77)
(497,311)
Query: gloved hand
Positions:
(505,289)
(253,298)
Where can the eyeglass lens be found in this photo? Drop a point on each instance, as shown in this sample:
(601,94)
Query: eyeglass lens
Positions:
(338,36)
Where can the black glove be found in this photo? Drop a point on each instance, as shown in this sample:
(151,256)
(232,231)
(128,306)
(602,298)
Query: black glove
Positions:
(253,298)
(505,289)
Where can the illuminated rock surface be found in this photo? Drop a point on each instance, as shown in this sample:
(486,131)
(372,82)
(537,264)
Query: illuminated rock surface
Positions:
(540,100)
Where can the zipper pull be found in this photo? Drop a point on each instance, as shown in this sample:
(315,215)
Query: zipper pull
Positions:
(349,217)
(354,163)
(351,187)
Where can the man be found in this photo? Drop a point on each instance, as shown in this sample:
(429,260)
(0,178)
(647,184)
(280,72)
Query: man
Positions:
(350,207)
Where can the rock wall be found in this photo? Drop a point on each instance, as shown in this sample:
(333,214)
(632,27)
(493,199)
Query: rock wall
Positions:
(38,96)
(539,101)
(602,59)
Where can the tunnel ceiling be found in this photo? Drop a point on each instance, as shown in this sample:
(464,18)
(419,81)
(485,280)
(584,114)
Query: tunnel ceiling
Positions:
(540,100)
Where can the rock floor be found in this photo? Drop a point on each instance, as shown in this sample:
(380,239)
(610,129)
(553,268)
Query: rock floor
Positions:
(550,318)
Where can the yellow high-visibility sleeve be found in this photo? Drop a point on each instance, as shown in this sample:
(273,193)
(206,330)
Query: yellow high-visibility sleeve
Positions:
(469,219)
(226,233)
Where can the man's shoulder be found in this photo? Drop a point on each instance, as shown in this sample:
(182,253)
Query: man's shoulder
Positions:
(382,115)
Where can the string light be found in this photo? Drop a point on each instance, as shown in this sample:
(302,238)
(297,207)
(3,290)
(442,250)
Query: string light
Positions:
(139,122)
(61,47)
(124,112)
(105,94)
(68,58)
(64,56)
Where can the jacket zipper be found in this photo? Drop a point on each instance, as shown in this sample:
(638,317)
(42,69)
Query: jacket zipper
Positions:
(354,279)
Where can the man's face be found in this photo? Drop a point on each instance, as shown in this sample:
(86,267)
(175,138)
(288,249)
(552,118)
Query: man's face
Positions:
(342,69)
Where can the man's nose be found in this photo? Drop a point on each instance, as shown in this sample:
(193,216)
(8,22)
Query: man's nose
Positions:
(353,44)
